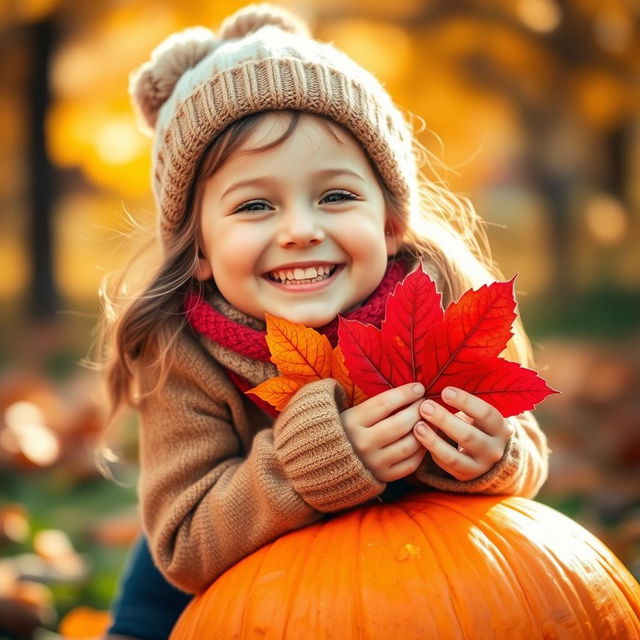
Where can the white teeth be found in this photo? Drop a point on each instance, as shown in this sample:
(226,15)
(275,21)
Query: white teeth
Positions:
(302,276)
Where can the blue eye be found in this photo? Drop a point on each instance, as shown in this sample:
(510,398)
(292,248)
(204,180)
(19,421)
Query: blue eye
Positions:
(339,196)
(252,206)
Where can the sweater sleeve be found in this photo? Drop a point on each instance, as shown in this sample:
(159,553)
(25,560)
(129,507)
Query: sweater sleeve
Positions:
(521,471)
(214,488)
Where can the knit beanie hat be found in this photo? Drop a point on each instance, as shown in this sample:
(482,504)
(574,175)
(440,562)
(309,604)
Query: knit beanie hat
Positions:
(198,82)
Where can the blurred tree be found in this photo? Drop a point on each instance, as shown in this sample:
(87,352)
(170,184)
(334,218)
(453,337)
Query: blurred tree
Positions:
(41,184)
(569,71)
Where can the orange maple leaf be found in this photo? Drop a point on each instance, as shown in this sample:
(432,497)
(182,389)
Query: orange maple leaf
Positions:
(277,391)
(299,352)
(340,372)
(302,355)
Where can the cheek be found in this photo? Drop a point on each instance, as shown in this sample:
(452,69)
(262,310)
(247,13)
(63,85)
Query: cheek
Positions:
(365,238)
(233,254)
(366,246)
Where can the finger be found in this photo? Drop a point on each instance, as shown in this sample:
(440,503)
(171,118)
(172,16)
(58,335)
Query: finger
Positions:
(393,428)
(379,407)
(468,436)
(485,416)
(405,467)
(446,456)
(401,449)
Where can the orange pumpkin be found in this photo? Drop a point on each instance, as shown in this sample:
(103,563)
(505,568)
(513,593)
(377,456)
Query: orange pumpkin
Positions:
(431,565)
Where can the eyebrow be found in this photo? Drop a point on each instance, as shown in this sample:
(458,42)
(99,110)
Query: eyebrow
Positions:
(265,180)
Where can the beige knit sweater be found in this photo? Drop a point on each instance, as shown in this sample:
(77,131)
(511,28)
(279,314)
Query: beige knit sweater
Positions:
(219,478)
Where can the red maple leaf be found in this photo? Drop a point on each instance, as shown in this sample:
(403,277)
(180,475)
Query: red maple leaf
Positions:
(507,386)
(412,310)
(361,345)
(392,356)
(459,347)
(476,327)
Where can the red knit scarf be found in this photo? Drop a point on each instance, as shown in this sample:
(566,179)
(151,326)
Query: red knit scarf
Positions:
(251,343)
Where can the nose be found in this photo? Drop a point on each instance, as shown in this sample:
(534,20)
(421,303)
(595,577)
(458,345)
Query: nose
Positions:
(300,228)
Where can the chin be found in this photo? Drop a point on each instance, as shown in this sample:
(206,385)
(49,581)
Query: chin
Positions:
(319,323)
(313,321)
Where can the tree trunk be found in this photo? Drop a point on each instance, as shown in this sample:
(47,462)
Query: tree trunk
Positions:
(43,294)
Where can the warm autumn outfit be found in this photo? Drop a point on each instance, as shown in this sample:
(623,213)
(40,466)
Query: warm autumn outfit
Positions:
(220,477)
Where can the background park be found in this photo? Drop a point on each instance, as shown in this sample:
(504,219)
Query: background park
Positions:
(531,105)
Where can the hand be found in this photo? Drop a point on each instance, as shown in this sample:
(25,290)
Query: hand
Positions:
(383,439)
(479,431)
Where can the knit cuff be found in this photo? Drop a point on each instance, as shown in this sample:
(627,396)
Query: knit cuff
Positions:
(502,478)
(317,457)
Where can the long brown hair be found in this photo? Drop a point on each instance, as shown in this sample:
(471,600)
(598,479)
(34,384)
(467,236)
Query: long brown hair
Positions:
(140,322)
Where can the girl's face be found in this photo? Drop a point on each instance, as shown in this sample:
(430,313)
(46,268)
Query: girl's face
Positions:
(297,230)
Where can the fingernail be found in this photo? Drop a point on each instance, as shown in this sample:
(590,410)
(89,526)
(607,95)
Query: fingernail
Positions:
(418,388)
(421,428)
(428,408)
(448,394)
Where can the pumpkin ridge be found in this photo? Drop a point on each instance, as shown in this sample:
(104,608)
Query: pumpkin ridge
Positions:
(246,609)
(293,572)
(499,543)
(623,589)
(621,581)
(359,606)
(460,606)
(426,503)
(578,598)
(386,522)
(199,615)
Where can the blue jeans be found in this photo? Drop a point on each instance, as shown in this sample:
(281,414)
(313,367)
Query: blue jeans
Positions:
(146,605)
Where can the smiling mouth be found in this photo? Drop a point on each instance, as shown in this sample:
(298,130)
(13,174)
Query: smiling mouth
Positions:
(301,276)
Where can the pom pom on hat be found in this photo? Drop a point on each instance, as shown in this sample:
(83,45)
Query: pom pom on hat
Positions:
(151,85)
(154,81)
(253,16)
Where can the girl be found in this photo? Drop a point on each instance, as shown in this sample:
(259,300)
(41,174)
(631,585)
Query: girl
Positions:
(286,183)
